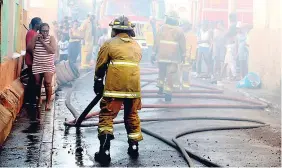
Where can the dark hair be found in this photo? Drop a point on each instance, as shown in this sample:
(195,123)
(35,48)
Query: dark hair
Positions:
(42,25)
(130,33)
(35,21)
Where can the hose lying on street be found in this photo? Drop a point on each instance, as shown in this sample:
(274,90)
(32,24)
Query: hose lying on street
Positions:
(174,142)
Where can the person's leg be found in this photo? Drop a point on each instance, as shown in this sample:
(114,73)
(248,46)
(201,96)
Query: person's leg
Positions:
(132,124)
(48,77)
(168,85)
(109,110)
(243,68)
(207,59)
(199,61)
(162,75)
(29,96)
(233,69)
(38,78)
(223,70)
(175,77)
(74,50)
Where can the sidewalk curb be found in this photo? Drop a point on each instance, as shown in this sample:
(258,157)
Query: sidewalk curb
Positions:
(46,147)
(258,98)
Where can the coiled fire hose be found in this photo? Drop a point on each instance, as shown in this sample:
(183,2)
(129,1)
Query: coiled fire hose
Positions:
(188,94)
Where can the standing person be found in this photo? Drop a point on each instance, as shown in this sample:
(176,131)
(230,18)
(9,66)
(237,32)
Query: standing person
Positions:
(75,42)
(242,50)
(44,49)
(31,105)
(218,49)
(230,57)
(63,47)
(191,51)
(65,30)
(102,39)
(204,42)
(169,50)
(119,60)
(87,48)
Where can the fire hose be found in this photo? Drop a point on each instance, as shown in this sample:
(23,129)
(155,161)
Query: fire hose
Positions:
(187,94)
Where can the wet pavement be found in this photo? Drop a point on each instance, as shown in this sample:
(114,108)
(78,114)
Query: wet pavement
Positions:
(54,145)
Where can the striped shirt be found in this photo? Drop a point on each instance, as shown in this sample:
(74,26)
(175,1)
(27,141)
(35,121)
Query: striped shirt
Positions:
(42,60)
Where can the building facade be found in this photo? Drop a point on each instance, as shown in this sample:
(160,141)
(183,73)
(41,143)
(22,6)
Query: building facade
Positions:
(265,44)
(13,17)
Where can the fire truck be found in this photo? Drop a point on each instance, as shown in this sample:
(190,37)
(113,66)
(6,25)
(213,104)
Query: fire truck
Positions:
(139,12)
(217,10)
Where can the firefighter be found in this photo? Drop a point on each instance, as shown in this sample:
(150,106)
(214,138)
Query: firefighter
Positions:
(191,49)
(87,30)
(119,59)
(169,51)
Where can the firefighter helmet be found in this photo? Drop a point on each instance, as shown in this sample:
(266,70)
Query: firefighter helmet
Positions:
(122,23)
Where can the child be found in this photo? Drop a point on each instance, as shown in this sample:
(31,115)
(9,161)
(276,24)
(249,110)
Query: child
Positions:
(63,46)
(230,57)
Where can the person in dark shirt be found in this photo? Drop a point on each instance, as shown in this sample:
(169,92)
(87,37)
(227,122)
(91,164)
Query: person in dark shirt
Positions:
(30,102)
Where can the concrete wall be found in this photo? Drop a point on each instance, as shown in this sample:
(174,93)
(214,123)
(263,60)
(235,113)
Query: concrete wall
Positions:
(47,10)
(11,90)
(265,43)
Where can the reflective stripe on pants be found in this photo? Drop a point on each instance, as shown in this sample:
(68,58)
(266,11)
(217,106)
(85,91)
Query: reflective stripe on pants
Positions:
(109,110)
(168,72)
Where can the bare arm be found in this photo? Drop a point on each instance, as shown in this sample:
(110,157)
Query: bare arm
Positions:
(31,44)
(50,48)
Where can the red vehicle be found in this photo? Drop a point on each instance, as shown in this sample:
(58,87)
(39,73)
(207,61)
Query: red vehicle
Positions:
(217,10)
(139,12)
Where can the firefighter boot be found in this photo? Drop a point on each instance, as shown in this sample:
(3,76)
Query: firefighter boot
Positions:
(168,97)
(133,149)
(103,156)
(161,90)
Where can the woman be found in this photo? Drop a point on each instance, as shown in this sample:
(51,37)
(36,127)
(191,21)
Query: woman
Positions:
(74,43)
(44,49)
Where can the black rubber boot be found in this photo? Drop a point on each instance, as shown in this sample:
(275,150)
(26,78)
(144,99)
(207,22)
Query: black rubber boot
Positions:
(160,92)
(103,156)
(133,149)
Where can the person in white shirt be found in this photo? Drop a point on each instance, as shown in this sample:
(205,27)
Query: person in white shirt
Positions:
(204,44)
(63,46)
(103,38)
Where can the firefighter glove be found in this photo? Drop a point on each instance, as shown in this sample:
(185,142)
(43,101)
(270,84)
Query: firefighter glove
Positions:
(98,86)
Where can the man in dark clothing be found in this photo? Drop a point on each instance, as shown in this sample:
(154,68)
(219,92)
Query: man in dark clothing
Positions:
(29,99)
